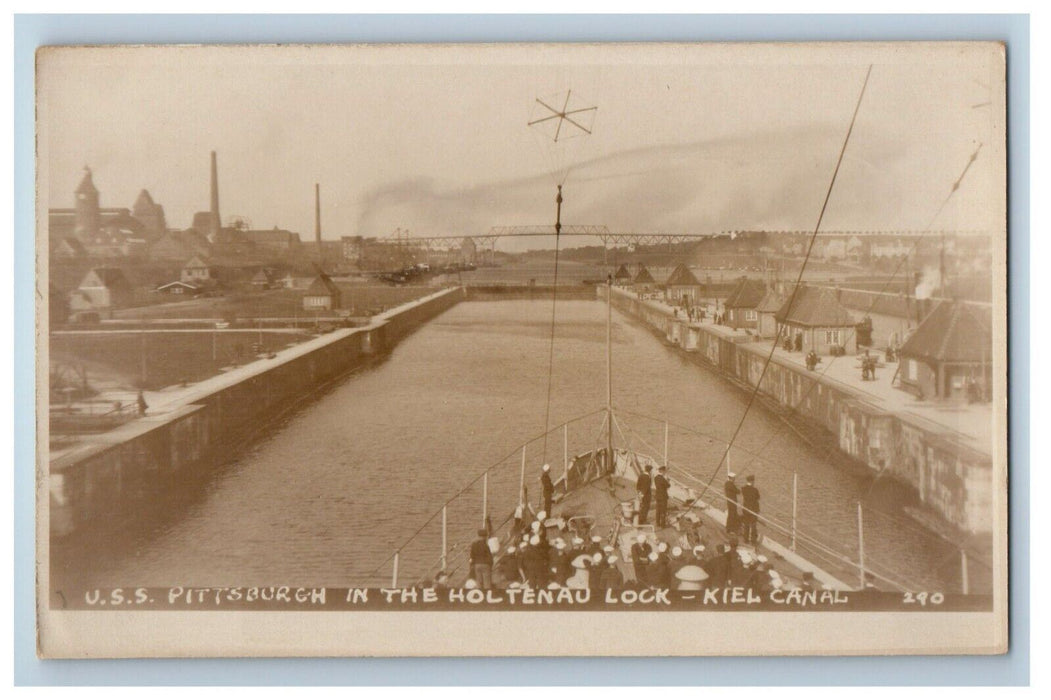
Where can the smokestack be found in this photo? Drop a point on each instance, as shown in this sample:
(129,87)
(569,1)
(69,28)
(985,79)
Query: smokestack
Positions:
(216,221)
(317,223)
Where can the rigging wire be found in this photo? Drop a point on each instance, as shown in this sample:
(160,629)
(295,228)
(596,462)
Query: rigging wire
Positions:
(799,279)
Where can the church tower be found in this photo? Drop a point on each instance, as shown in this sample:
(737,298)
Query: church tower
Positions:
(87,220)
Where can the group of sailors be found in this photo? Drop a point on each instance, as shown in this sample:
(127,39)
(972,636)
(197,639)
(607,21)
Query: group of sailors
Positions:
(548,553)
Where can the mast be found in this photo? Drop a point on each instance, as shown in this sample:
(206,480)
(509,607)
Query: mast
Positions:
(609,368)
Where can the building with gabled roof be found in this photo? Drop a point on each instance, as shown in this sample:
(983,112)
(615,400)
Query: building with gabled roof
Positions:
(322,295)
(740,305)
(643,280)
(622,275)
(682,286)
(815,316)
(949,356)
(102,290)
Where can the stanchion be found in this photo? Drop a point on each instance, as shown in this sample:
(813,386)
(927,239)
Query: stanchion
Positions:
(394,576)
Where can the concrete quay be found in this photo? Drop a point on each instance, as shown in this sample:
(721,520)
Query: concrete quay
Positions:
(186,428)
(942,451)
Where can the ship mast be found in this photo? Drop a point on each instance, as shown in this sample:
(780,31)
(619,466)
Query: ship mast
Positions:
(609,368)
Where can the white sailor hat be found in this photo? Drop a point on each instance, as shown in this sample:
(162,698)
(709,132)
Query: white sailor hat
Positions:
(596,538)
(676,551)
(578,541)
(541,516)
(553,585)
(641,538)
(662,547)
(547,467)
(596,557)
(612,559)
(559,544)
(698,549)
(730,475)
(607,549)
(535,539)
(761,558)
(470,583)
(535,525)
(653,556)
(512,549)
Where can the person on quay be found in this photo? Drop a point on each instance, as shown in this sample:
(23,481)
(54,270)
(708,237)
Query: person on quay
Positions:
(750,516)
(482,560)
(640,552)
(731,492)
(643,488)
(547,488)
(660,488)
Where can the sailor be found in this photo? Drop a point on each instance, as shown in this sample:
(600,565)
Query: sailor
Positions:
(576,548)
(482,560)
(660,487)
(660,570)
(731,491)
(611,578)
(534,564)
(750,516)
(718,567)
(640,552)
(643,487)
(547,487)
(595,568)
(560,563)
(506,570)
(596,545)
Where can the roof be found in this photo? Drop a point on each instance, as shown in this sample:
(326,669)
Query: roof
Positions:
(953,332)
(770,303)
(746,294)
(622,273)
(682,277)
(888,304)
(86,185)
(274,235)
(643,276)
(814,307)
(322,286)
(143,200)
(177,283)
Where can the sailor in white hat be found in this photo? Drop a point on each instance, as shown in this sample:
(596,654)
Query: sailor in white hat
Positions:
(640,552)
(547,487)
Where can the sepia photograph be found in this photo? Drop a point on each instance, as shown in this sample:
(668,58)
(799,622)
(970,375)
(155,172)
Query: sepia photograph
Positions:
(521,349)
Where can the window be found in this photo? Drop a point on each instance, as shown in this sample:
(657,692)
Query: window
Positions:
(832,337)
(751,315)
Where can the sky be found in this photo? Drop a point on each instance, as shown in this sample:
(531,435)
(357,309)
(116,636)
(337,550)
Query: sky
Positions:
(435,140)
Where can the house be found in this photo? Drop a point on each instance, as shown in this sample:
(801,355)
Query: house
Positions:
(767,309)
(622,276)
(198,272)
(950,355)
(682,287)
(179,288)
(815,317)
(264,278)
(102,290)
(742,303)
(322,295)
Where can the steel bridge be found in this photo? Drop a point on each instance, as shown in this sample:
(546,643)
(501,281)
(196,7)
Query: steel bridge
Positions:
(488,240)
